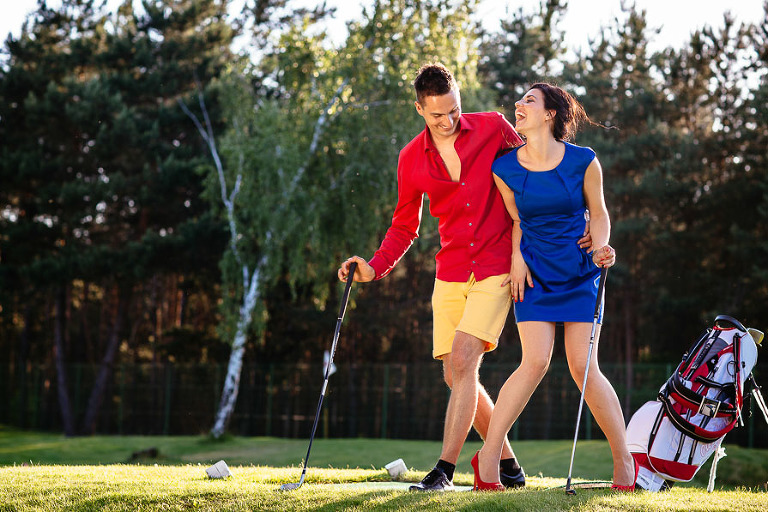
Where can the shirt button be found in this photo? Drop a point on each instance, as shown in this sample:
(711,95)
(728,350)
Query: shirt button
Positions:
(462,183)
(473,262)
(472,244)
(467,204)
(470,223)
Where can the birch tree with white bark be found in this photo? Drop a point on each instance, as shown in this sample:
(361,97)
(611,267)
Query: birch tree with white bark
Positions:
(250,274)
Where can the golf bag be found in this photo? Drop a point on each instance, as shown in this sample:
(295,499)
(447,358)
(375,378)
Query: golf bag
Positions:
(671,437)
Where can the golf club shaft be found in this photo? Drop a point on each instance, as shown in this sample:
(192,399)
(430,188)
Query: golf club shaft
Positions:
(598,302)
(342,310)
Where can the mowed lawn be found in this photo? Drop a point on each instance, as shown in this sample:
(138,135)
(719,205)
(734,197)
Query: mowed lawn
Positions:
(50,472)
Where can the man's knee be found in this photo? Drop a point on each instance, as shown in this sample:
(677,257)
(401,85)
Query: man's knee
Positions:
(466,355)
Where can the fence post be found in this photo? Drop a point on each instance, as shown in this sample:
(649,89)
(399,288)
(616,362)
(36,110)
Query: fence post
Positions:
(36,382)
(385,402)
(6,392)
(121,402)
(270,392)
(5,409)
(78,380)
(167,408)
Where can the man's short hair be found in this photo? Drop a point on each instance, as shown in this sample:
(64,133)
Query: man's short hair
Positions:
(433,80)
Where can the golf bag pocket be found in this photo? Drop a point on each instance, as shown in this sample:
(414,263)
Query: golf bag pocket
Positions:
(700,403)
(662,451)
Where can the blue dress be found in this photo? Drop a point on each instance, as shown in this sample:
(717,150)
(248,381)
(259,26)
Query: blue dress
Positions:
(551,206)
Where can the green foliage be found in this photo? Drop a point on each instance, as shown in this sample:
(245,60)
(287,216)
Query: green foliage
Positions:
(98,165)
(318,154)
(107,187)
(526,50)
(102,194)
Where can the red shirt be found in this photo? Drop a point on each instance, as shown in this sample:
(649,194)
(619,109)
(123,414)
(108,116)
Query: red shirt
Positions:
(475,228)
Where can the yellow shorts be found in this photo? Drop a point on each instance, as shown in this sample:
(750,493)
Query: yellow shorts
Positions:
(479,308)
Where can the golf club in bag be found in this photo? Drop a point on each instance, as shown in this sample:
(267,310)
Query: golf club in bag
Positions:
(344,299)
(600,295)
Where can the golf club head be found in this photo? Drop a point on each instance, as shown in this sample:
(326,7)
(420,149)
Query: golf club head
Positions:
(290,487)
(570,492)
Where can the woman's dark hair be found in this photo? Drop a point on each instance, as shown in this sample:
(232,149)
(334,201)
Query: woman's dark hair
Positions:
(569,114)
(433,80)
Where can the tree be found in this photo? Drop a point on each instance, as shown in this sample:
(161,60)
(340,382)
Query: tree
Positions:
(526,50)
(99,162)
(734,199)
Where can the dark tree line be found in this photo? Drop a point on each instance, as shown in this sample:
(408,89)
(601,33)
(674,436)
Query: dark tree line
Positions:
(114,241)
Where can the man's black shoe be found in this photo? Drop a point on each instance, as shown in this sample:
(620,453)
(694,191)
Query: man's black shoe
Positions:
(434,481)
(513,481)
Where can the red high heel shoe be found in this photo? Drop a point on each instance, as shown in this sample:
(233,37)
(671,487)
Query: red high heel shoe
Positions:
(628,488)
(479,484)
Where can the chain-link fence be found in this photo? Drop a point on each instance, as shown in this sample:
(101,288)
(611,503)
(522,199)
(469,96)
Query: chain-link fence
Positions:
(398,401)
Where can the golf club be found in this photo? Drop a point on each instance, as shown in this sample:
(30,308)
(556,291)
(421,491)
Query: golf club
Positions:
(344,299)
(600,293)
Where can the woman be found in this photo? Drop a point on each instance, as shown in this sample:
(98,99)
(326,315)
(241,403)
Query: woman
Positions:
(548,185)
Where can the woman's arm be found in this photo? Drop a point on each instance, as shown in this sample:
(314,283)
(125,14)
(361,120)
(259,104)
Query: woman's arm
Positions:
(519,274)
(599,221)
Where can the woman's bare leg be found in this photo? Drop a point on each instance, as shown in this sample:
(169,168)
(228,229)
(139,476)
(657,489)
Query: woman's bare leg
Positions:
(600,397)
(537,340)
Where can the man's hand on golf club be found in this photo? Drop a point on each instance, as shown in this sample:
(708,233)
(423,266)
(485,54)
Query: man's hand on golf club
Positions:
(363,273)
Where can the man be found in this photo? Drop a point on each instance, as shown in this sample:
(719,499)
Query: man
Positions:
(450,161)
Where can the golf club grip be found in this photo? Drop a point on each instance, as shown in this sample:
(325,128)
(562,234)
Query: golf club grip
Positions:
(600,290)
(345,297)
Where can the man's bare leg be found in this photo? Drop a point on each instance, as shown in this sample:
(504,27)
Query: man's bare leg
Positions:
(469,404)
(460,415)
(461,369)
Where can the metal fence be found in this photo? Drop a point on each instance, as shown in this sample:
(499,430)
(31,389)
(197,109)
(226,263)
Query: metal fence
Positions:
(397,401)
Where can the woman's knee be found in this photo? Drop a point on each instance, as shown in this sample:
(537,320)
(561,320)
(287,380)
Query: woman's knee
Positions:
(535,367)
(595,376)
(577,372)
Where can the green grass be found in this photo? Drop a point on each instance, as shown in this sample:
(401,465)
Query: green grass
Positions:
(51,472)
(180,488)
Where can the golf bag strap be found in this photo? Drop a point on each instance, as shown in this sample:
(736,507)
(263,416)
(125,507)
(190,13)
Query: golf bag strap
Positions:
(687,428)
(737,376)
(691,354)
(691,399)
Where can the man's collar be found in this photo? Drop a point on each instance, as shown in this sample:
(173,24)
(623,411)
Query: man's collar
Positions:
(464,125)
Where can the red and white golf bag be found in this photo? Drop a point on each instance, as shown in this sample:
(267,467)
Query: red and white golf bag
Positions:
(674,435)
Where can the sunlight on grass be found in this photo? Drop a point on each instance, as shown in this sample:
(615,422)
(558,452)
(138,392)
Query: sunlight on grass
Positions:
(48,472)
(135,487)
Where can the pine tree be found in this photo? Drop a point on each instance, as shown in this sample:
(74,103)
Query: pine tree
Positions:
(101,165)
